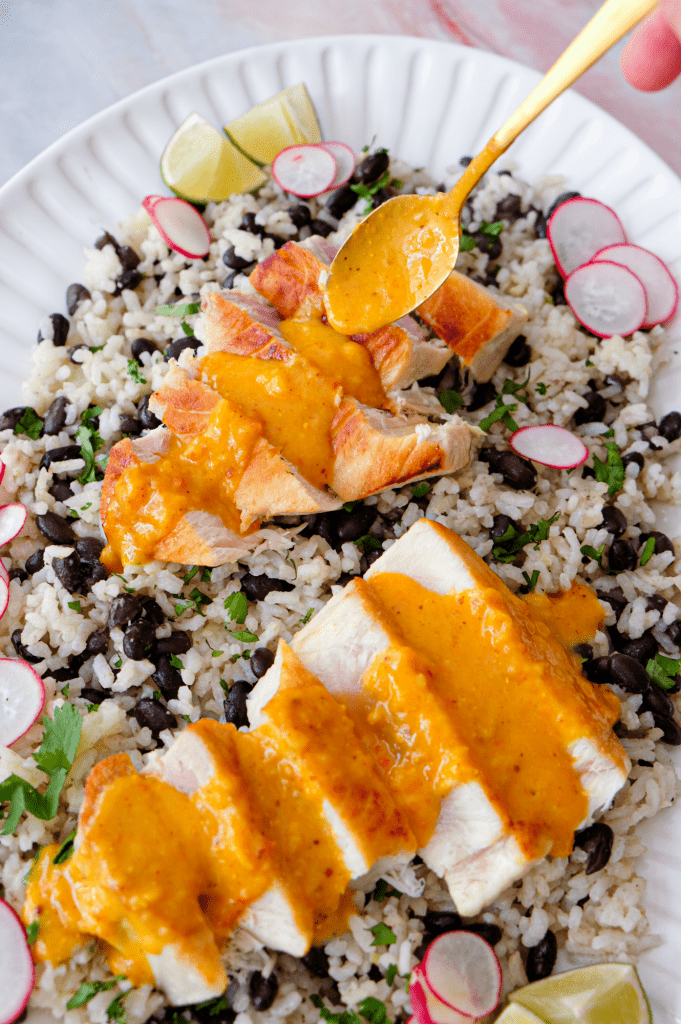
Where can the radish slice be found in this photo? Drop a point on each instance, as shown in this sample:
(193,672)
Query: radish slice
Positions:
(427,1008)
(578,229)
(607,298)
(661,288)
(16,965)
(4,574)
(462,971)
(4,594)
(550,445)
(22,697)
(345,161)
(12,519)
(181,226)
(2,470)
(304,171)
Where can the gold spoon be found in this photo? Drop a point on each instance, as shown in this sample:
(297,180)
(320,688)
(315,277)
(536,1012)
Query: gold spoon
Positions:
(407,247)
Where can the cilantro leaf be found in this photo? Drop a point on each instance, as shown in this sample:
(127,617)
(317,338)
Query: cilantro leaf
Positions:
(450,400)
(373,1010)
(611,471)
(380,890)
(237,606)
(420,490)
(214,1006)
(65,850)
(541,388)
(32,932)
(175,661)
(243,636)
(590,552)
(30,424)
(531,581)
(347,507)
(179,309)
(663,671)
(467,242)
(511,541)
(134,372)
(191,574)
(648,551)
(512,388)
(492,230)
(502,412)
(90,442)
(115,1010)
(345,1017)
(391,973)
(74,605)
(206,575)
(89,989)
(195,600)
(187,329)
(368,543)
(216,654)
(383,936)
(306,617)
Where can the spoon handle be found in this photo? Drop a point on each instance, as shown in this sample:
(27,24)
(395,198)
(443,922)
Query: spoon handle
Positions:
(612,21)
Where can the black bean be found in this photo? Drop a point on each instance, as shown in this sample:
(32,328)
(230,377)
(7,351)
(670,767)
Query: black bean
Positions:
(60,489)
(106,239)
(320,227)
(670,426)
(373,167)
(248,223)
(656,602)
(480,394)
(56,328)
(167,678)
(491,933)
(622,555)
(657,701)
(173,350)
(256,588)
(234,262)
(94,573)
(63,454)
(277,239)
(235,703)
(177,643)
(20,649)
(520,353)
(55,417)
(352,525)
(642,649)
(93,696)
(138,640)
(674,632)
(439,922)
(75,294)
(18,574)
(596,841)
(558,293)
(154,715)
(595,409)
(97,642)
(128,281)
(671,733)
(613,520)
(501,524)
(615,597)
(124,609)
(146,417)
(368,559)
(129,425)
(541,959)
(628,673)
(597,670)
(128,257)
(559,200)
(316,961)
(539,223)
(11,417)
(228,281)
(70,671)
(340,202)
(261,660)
(300,213)
(508,208)
(492,245)
(382,196)
(262,991)
(35,562)
(141,345)
(55,528)
(74,349)
(68,571)
(517,473)
(152,610)
(662,541)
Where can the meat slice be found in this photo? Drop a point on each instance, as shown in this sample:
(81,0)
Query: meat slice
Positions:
(291,279)
(231,327)
(374,449)
(402,353)
(477,323)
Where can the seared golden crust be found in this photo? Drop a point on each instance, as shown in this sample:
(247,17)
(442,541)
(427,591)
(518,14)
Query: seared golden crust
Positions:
(231,329)
(290,280)
(103,775)
(270,486)
(401,356)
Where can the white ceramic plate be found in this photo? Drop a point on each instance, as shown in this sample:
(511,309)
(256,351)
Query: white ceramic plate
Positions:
(429,103)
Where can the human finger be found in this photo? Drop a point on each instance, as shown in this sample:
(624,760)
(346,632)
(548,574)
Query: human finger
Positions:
(652,58)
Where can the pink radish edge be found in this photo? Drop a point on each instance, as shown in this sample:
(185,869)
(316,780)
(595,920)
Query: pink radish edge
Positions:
(592,330)
(2,468)
(193,223)
(22,699)
(12,519)
(489,966)
(21,971)
(306,189)
(610,254)
(345,162)
(534,428)
(4,591)
(560,212)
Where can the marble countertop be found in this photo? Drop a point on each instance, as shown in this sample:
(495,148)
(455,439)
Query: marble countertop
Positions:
(63,60)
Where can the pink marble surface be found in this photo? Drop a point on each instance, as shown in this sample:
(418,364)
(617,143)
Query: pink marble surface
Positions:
(64,60)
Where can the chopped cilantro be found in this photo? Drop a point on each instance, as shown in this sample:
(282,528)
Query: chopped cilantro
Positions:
(608,433)
(96,348)
(588,363)
(540,387)
(89,989)
(195,600)
(157,694)
(237,606)
(590,552)
(84,508)
(344,1017)
(65,690)
(467,242)
(293,563)
(118,663)
(134,372)
(531,581)
(380,890)
(75,606)
(420,490)
(610,472)
(243,636)
(73,513)
(511,541)
(306,617)
(383,936)
(179,309)
(89,441)
(191,574)
(648,551)
(175,661)
(663,671)
(187,329)
(214,1006)
(492,230)
(396,183)
(369,191)
(32,932)
(502,412)
(115,1010)
(548,300)
(30,424)
(91,708)
(55,757)
(348,506)
(216,654)
(450,400)
(65,850)
(130,590)
(373,1010)
(512,388)
(186,718)
(368,543)
(33,864)
(391,973)
(225,685)
(206,575)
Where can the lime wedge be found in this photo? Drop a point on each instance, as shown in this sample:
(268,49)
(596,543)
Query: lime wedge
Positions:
(287,119)
(200,163)
(517,1014)
(600,994)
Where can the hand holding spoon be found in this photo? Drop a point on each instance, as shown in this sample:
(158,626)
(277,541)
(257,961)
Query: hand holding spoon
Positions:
(408,246)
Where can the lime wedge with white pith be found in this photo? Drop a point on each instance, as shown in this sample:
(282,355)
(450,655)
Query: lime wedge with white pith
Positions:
(200,163)
(600,994)
(287,119)
(517,1014)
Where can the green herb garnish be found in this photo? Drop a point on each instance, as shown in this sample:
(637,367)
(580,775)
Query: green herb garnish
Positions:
(368,543)
(175,661)
(65,850)
(89,989)
(492,230)
(33,864)
(196,600)
(450,400)
(134,372)
(512,540)
(237,606)
(590,552)
(157,694)
(115,1010)
(306,617)
(179,309)
(373,1010)
(369,191)
(32,932)
(391,973)
(191,574)
(30,424)
(383,936)
(501,412)
(648,551)
(243,636)
(420,490)
(540,387)
(187,329)
(610,472)
(380,890)
(348,507)
(344,1017)
(90,442)
(531,581)
(467,242)
(74,606)
(663,671)
(55,756)
(216,654)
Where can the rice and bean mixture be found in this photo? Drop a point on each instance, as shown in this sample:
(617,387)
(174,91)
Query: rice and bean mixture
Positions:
(144,652)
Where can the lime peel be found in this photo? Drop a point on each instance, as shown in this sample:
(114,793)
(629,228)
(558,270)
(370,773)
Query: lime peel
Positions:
(283,120)
(598,994)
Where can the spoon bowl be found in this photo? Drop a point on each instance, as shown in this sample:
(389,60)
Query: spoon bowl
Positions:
(396,258)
